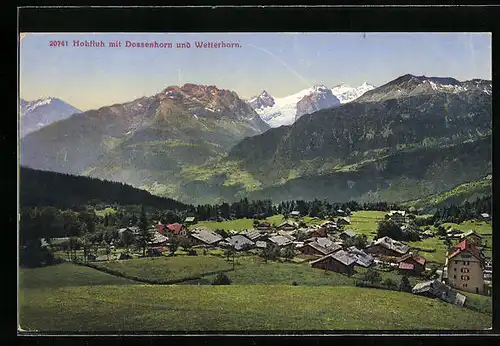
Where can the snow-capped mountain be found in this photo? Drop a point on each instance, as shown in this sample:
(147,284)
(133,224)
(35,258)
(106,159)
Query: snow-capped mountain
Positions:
(284,111)
(347,93)
(42,112)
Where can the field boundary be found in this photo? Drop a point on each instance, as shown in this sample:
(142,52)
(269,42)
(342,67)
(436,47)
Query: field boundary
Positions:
(152,282)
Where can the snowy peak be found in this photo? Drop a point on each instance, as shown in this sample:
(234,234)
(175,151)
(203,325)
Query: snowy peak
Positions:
(347,93)
(285,110)
(42,112)
(262,101)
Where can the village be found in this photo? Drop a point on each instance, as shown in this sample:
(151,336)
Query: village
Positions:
(331,245)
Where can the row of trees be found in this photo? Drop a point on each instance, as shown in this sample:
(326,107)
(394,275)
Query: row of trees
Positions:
(466,211)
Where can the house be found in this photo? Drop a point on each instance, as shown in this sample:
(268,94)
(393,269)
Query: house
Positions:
(435,288)
(155,251)
(362,258)
(190,220)
(158,238)
(330,226)
(398,216)
(280,240)
(411,264)
(287,234)
(465,267)
(203,236)
(260,244)
(341,212)
(427,234)
(133,229)
(343,221)
(339,262)
(388,247)
(485,216)
(347,234)
(264,226)
(320,246)
(295,214)
(317,232)
(288,226)
(453,233)
(253,234)
(176,229)
(240,242)
(472,237)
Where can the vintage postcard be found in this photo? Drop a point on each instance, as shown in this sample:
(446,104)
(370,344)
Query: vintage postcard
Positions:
(263,182)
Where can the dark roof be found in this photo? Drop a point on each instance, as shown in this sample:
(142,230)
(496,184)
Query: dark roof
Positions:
(206,236)
(349,233)
(392,244)
(280,240)
(440,290)
(252,234)
(361,257)
(238,241)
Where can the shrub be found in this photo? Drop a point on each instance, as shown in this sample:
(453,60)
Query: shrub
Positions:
(222,279)
(294,283)
(372,276)
(192,253)
(405,285)
(390,284)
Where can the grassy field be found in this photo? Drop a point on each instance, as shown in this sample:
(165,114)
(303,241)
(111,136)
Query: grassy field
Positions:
(366,222)
(232,308)
(431,243)
(166,268)
(105,211)
(66,274)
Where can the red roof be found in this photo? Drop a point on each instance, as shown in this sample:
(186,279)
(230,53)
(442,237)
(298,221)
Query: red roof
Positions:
(407,266)
(160,228)
(419,259)
(175,227)
(465,245)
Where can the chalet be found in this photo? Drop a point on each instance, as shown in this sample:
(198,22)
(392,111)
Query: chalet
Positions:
(260,244)
(341,212)
(190,220)
(472,237)
(317,232)
(295,214)
(240,242)
(485,216)
(133,229)
(253,234)
(177,230)
(287,234)
(320,246)
(411,264)
(280,240)
(435,288)
(158,239)
(343,221)
(330,226)
(465,268)
(264,226)
(347,234)
(339,262)
(398,216)
(362,258)
(156,251)
(288,226)
(387,247)
(453,233)
(203,236)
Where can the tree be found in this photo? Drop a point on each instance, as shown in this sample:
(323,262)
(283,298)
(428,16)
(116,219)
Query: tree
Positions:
(108,250)
(271,252)
(145,236)
(372,276)
(173,245)
(186,243)
(288,253)
(229,252)
(127,239)
(390,284)
(405,285)
(390,229)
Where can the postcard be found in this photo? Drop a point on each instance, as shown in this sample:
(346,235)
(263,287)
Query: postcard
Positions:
(254,182)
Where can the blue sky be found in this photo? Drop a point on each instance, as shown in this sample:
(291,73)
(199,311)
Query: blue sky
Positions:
(281,63)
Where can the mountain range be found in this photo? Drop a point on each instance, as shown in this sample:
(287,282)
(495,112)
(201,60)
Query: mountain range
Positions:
(286,110)
(42,112)
(412,137)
